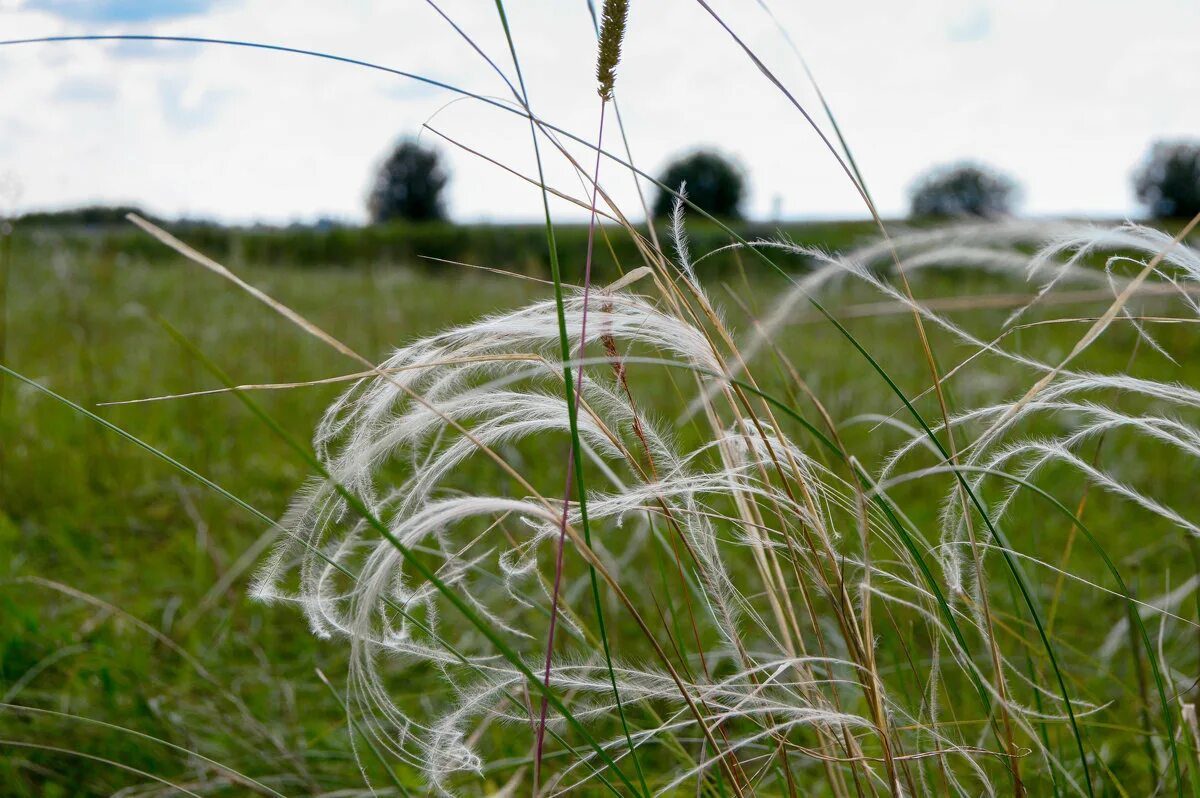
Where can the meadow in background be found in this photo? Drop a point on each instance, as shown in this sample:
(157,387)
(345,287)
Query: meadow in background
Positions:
(792,583)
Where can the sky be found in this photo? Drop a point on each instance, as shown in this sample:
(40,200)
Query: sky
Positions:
(1064,95)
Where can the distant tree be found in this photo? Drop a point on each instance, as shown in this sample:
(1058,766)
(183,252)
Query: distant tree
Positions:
(714,183)
(409,185)
(86,216)
(965,189)
(1168,181)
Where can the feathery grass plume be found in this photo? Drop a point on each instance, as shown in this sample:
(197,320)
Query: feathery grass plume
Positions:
(778,657)
(612,32)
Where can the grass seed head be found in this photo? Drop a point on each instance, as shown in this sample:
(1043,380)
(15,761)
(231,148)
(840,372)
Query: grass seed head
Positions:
(612,31)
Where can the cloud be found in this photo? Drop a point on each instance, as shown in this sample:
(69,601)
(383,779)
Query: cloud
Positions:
(186,106)
(84,89)
(118,11)
(1061,95)
(972,26)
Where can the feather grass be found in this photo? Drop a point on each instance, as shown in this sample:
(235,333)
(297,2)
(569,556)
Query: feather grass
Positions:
(819,627)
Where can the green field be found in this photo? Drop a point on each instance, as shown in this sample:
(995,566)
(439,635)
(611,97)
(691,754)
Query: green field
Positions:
(109,557)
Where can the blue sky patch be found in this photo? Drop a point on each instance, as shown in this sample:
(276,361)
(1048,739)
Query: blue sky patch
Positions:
(119,11)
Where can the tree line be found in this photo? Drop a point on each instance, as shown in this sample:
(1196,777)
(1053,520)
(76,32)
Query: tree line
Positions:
(410,182)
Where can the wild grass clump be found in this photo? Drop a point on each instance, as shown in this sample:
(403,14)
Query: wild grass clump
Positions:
(786,623)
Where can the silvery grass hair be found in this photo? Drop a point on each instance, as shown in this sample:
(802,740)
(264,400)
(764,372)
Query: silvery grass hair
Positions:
(758,571)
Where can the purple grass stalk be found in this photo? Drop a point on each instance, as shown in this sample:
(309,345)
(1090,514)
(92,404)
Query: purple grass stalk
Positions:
(562,531)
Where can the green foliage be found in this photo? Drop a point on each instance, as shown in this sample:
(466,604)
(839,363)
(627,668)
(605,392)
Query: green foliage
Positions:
(86,509)
(513,248)
(715,184)
(409,185)
(86,216)
(963,190)
(1168,181)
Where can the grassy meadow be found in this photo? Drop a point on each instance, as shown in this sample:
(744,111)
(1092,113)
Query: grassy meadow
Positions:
(125,620)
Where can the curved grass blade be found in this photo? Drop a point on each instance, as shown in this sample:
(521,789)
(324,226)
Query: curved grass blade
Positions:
(354,729)
(247,781)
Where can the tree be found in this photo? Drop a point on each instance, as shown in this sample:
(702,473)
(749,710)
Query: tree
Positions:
(964,189)
(714,183)
(87,216)
(409,185)
(1168,181)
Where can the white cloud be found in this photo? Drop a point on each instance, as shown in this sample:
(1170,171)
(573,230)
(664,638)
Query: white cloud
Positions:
(1065,96)
(971,25)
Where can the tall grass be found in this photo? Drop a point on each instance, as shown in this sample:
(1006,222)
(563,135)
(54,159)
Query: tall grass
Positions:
(760,587)
(781,552)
